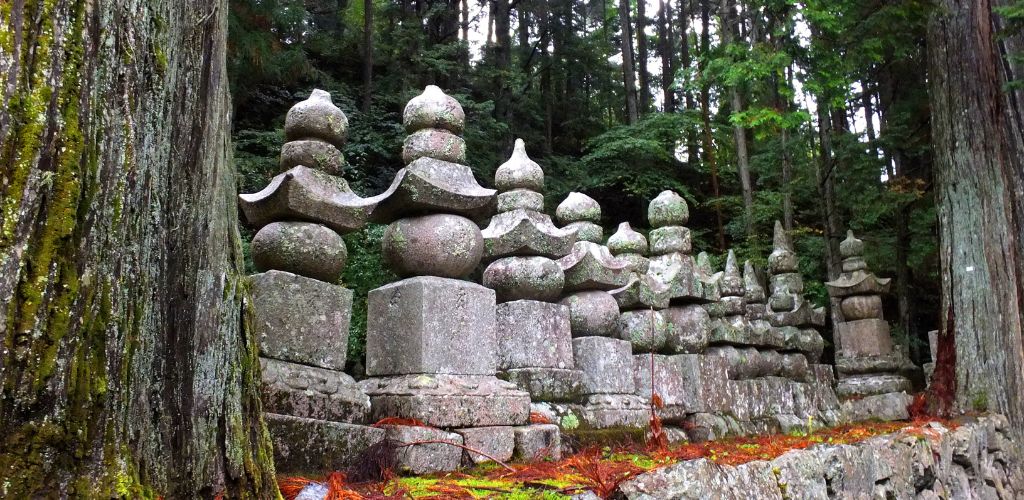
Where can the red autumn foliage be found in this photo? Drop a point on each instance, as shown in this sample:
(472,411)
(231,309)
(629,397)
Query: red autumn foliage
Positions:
(336,487)
(918,408)
(539,418)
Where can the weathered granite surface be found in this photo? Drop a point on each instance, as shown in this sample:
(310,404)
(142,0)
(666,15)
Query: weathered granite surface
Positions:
(538,442)
(533,334)
(496,441)
(428,457)
(448,400)
(972,461)
(306,391)
(301,319)
(305,446)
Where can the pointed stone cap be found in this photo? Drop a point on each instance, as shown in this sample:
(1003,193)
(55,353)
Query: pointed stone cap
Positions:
(306,194)
(626,240)
(668,209)
(317,118)
(851,246)
(429,185)
(592,267)
(732,280)
(519,172)
(782,258)
(434,109)
(525,232)
(578,207)
(753,290)
(642,292)
(704,264)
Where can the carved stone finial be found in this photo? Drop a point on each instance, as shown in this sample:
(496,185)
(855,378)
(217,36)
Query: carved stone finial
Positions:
(519,172)
(851,247)
(668,209)
(317,117)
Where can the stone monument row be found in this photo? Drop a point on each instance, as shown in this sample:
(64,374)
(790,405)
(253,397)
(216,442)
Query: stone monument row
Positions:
(562,330)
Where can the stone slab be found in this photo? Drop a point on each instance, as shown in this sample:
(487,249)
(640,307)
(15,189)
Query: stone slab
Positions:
(306,446)
(538,442)
(426,458)
(872,384)
(301,320)
(306,391)
(689,328)
(547,384)
(448,400)
(603,411)
(607,364)
(686,383)
(871,364)
(866,337)
(428,324)
(497,442)
(533,334)
(645,329)
(887,407)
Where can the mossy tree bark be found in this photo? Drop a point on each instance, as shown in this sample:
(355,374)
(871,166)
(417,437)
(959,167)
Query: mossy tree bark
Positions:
(979,159)
(126,366)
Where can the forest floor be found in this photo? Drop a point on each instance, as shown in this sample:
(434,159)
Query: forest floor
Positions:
(595,469)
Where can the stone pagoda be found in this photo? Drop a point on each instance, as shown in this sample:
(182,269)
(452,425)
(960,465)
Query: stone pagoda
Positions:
(641,321)
(867,364)
(533,331)
(300,314)
(605,360)
(788,310)
(431,344)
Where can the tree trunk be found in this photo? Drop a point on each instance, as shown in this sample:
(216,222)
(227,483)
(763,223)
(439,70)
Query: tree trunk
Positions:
(641,63)
(667,55)
(628,71)
(979,153)
(685,8)
(708,143)
(367,55)
(739,133)
(127,367)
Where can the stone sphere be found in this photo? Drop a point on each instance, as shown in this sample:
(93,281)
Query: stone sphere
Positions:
(861,307)
(302,248)
(519,172)
(668,209)
(317,117)
(592,313)
(445,245)
(587,231)
(626,240)
(520,198)
(530,278)
(578,207)
(434,109)
(312,153)
(434,143)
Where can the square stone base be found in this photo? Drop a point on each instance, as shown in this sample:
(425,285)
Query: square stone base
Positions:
(886,407)
(865,337)
(425,458)
(604,411)
(538,442)
(497,442)
(448,400)
(301,320)
(872,384)
(606,363)
(305,391)
(547,384)
(428,324)
(305,446)
(533,334)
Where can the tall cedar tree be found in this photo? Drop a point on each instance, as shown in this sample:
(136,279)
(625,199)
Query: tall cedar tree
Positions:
(127,367)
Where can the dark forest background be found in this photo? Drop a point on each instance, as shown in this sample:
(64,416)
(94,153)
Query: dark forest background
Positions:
(813,113)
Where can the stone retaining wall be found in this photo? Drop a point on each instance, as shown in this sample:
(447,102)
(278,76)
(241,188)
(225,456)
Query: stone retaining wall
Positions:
(973,461)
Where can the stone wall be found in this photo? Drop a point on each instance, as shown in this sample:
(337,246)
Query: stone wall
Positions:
(972,461)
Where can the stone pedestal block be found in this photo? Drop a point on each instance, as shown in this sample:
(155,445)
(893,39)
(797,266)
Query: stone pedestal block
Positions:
(301,320)
(887,407)
(547,384)
(686,383)
(305,391)
(448,400)
(866,337)
(538,442)
(306,446)
(689,328)
(431,325)
(533,334)
(497,442)
(603,411)
(869,385)
(607,364)
(426,458)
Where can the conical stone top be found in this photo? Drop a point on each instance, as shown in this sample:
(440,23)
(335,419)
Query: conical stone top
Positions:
(780,240)
(627,241)
(851,246)
(753,291)
(519,172)
(732,281)
(578,207)
(434,109)
(317,117)
(668,209)
(782,258)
